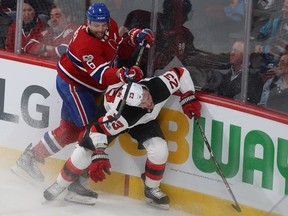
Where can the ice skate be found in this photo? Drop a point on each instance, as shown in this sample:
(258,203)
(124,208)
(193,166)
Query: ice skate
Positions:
(155,197)
(26,167)
(80,194)
(53,191)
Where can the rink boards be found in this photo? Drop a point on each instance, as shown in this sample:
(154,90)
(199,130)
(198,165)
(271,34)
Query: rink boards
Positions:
(251,149)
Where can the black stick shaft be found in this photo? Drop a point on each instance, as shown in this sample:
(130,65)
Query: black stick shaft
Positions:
(237,207)
(139,57)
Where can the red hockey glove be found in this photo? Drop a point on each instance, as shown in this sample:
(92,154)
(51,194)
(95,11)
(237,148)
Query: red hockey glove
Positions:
(140,37)
(191,107)
(134,73)
(99,166)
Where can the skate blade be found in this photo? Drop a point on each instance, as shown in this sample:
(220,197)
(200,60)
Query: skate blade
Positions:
(24,175)
(159,206)
(76,198)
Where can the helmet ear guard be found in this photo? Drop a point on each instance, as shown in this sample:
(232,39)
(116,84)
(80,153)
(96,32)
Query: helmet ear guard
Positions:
(98,12)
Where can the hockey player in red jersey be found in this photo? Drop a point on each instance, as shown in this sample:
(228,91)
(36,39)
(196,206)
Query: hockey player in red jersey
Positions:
(54,40)
(84,71)
(138,117)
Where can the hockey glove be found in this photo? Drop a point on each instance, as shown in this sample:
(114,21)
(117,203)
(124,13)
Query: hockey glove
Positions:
(140,37)
(134,73)
(191,107)
(99,166)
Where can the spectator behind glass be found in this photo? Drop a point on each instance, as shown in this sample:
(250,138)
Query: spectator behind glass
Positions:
(228,83)
(53,41)
(268,34)
(172,38)
(275,90)
(5,22)
(273,36)
(32,25)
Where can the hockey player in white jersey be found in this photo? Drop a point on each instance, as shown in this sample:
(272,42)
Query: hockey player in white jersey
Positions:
(138,118)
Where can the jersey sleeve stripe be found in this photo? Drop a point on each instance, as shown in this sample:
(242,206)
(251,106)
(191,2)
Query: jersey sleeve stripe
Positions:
(79,105)
(75,60)
(77,81)
(99,71)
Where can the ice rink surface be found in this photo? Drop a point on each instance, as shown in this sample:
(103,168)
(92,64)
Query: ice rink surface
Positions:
(20,198)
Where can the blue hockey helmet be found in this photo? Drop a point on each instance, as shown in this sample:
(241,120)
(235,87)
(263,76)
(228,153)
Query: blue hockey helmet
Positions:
(98,12)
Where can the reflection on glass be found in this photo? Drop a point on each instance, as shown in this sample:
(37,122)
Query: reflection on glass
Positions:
(54,40)
(196,34)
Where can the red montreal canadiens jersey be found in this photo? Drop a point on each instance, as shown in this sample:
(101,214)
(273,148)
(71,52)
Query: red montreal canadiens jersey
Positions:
(90,62)
(48,38)
(35,32)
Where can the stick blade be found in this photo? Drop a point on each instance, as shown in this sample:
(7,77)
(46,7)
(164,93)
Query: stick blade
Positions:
(236,207)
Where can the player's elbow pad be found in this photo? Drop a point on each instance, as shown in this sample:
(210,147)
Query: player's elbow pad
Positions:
(61,49)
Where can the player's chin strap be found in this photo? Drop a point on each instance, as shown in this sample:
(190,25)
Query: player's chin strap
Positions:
(86,141)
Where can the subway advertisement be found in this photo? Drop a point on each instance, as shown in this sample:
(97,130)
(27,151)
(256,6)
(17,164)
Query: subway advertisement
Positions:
(251,150)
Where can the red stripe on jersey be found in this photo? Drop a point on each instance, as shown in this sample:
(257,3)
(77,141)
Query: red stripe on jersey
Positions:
(103,127)
(79,105)
(178,71)
(84,80)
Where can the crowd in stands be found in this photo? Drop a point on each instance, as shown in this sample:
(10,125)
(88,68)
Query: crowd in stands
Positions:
(32,26)
(48,26)
(47,29)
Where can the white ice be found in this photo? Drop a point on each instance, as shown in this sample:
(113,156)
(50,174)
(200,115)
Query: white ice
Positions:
(20,198)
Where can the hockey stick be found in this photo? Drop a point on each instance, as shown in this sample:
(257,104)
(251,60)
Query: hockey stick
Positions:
(130,81)
(235,205)
(85,141)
